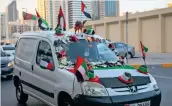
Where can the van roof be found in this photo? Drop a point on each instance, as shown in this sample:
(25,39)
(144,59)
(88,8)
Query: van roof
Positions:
(50,34)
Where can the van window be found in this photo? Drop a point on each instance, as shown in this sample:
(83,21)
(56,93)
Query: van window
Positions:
(25,49)
(44,52)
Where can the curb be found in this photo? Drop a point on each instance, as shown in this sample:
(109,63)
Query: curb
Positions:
(166,65)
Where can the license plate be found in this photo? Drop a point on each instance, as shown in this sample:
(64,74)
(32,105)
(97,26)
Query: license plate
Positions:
(147,103)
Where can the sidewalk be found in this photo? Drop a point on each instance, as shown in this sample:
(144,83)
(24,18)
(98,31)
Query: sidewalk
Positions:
(152,59)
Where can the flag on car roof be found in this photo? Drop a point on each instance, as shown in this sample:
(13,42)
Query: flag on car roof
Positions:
(28,16)
(85,10)
(144,49)
(42,23)
(81,66)
(61,20)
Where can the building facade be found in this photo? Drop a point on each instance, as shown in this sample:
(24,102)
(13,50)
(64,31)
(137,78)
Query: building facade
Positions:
(111,8)
(12,11)
(41,8)
(74,11)
(3,25)
(95,6)
(15,27)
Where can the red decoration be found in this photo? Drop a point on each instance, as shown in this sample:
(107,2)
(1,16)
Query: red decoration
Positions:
(79,25)
(111,46)
(96,79)
(73,38)
(142,72)
(124,81)
(62,54)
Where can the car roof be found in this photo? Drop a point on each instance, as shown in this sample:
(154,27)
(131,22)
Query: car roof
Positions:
(50,35)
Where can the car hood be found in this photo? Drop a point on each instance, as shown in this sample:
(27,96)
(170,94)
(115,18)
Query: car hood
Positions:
(109,77)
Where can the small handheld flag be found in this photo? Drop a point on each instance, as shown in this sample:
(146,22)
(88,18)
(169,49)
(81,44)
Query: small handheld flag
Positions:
(43,25)
(85,10)
(144,49)
(61,20)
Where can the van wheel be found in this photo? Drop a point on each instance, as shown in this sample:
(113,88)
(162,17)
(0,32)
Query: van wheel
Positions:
(66,101)
(20,95)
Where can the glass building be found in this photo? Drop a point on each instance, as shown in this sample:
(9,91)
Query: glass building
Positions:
(111,8)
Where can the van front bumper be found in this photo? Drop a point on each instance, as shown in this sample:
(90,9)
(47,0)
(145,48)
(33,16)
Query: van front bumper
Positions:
(153,96)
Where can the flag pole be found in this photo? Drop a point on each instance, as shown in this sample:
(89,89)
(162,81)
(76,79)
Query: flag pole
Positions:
(127,34)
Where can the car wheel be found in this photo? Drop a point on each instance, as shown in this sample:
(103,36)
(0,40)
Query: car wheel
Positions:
(66,101)
(20,95)
(10,77)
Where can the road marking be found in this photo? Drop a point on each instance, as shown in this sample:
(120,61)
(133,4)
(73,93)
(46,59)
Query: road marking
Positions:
(162,77)
(167,65)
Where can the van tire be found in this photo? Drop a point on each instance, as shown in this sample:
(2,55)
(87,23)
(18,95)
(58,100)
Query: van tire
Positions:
(20,95)
(65,101)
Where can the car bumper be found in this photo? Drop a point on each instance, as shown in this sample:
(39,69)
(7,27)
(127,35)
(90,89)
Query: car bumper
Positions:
(6,71)
(153,96)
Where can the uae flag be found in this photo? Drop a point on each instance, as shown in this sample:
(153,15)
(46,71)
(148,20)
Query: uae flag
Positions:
(43,25)
(144,49)
(46,65)
(27,16)
(85,10)
(61,20)
(81,66)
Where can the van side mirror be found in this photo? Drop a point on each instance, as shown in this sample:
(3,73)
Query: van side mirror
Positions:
(46,64)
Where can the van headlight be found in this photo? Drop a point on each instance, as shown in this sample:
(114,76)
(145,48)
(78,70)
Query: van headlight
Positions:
(10,64)
(154,83)
(156,88)
(93,89)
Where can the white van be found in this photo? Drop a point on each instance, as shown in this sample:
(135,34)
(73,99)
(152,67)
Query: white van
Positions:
(57,84)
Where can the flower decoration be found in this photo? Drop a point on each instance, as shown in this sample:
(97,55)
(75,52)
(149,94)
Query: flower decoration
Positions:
(111,46)
(126,78)
(73,38)
(62,54)
(59,32)
(143,69)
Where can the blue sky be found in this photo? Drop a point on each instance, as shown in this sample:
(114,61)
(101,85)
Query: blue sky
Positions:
(125,5)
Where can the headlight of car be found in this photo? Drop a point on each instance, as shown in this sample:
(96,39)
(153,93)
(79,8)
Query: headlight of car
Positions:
(10,64)
(156,88)
(93,89)
(154,83)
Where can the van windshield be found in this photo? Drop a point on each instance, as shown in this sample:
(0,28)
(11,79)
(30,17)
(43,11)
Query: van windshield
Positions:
(92,51)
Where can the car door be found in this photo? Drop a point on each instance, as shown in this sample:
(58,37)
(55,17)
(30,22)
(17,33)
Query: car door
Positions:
(23,61)
(120,49)
(44,80)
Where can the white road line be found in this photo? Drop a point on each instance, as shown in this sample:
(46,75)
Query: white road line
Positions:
(162,77)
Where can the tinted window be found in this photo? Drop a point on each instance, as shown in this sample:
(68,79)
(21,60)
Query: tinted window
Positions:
(44,52)
(25,49)
(8,48)
(119,45)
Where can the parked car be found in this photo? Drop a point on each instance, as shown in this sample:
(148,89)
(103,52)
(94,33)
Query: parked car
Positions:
(120,49)
(6,66)
(45,67)
(9,50)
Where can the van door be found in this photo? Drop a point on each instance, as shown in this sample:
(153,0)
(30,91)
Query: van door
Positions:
(25,50)
(44,76)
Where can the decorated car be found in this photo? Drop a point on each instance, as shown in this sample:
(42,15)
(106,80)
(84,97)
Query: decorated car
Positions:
(84,72)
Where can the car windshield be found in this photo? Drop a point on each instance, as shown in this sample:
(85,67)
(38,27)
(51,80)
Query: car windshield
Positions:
(3,54)
(92,51)
(9,48)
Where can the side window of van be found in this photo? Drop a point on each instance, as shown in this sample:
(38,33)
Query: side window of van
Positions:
(25,49)
(44,52)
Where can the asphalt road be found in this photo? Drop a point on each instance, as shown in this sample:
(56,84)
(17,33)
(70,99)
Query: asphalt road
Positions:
(162,75)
